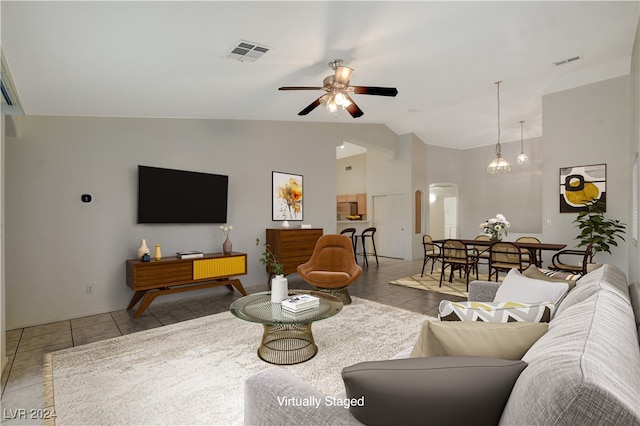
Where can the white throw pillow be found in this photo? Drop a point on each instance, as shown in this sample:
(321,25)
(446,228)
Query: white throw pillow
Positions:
(518,288)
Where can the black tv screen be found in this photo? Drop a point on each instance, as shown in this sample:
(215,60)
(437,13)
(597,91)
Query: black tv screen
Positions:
(179,196)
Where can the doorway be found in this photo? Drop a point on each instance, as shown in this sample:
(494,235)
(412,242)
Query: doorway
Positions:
(443,210)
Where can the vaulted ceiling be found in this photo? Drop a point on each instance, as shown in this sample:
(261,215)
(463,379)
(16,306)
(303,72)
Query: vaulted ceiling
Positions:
(169,59)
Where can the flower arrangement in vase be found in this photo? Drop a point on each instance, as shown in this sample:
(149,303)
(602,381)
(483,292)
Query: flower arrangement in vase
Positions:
(226,245)
(496,227)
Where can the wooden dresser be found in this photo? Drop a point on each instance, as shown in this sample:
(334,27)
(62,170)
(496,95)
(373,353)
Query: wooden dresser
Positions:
(292,247)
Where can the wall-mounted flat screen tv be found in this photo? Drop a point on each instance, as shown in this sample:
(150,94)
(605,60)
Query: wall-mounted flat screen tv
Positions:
(180,196)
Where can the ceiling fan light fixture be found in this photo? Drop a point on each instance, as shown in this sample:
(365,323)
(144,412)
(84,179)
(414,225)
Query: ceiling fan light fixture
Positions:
(499,164)
(343,75)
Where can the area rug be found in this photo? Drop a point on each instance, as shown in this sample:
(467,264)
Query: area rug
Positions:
(431,282)
(192,373)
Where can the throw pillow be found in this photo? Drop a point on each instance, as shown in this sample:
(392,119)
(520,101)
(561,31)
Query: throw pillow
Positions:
(471,338)
(439,390)
(496,311)
(535,273)
(519,288)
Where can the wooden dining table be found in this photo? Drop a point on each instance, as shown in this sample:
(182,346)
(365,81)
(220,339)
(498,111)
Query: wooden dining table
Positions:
(531,246)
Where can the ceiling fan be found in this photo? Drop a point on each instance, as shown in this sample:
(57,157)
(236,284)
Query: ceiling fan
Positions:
(339,91)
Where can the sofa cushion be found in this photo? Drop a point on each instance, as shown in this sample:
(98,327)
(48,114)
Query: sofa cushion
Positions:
(495,311)
(535,273)
(438,390)
(519,288)
(608,277)
(470,338)
(583,371)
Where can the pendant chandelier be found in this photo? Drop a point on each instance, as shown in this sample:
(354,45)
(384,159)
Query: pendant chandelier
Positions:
(499,164)
(522,158)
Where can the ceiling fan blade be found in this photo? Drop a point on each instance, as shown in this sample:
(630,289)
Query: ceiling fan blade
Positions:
(379,91)
(353,109)
(299,88)
(310,107)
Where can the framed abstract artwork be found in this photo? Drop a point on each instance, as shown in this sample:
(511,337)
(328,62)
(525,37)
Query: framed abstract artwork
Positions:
(581,185)
(287,190)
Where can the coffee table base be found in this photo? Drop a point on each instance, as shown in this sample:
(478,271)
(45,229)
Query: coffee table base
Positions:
(287,344)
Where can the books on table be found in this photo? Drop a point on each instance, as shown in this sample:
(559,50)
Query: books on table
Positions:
(300,302)
(190,254)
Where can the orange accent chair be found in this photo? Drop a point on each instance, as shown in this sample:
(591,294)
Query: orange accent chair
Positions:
(332,266)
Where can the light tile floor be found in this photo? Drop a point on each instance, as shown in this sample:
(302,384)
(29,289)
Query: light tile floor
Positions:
(23,400)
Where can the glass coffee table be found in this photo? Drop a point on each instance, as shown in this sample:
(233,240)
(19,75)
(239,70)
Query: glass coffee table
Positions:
(287,337)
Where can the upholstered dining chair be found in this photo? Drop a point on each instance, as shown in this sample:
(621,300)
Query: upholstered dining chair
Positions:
(504,256)
(526,253)
(457,256)
(581,257)
(431,253)
(332,266)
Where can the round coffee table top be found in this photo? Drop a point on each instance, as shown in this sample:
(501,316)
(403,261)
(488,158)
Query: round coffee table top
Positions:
(258,308)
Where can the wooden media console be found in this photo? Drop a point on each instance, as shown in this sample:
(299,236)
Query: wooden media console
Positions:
(174,275)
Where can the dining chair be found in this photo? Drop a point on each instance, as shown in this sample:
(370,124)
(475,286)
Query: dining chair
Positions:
(559,264)
(504,256)
(526,253)
(431,253)
(458,256)
(483,251)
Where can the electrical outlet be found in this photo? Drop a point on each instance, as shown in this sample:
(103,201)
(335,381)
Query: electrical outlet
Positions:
(548,222)
(89,289)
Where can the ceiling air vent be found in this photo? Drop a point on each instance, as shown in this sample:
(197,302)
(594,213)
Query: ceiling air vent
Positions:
(567,61)
(246,51)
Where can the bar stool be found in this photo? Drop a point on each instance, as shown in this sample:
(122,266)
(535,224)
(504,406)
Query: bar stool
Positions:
(368,233)
(351,233)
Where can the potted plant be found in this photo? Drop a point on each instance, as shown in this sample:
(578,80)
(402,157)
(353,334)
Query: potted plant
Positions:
(269,260)
(279,284)
(596,229)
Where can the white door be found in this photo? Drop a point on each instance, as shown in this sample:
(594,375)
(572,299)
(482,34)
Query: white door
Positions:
(450,217)
(387,216)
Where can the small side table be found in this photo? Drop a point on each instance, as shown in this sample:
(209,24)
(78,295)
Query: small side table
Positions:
(287,338)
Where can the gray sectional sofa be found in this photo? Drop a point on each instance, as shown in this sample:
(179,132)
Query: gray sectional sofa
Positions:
(584,371)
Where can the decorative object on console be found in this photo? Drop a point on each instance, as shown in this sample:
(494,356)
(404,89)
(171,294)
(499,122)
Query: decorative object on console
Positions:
(499,164)
(285,224)
(495,227)
(279,289)
(226,245)
(287,196)
(143,248)
(157,255)
(194,254)
(146,258)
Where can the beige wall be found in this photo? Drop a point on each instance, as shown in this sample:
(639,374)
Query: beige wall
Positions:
(58,245)
(634,145)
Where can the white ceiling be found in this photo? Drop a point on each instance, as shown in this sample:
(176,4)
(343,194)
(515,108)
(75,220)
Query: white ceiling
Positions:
(166,59)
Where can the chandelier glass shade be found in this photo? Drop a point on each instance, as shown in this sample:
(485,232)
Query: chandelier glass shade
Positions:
(499,164)
(522,158)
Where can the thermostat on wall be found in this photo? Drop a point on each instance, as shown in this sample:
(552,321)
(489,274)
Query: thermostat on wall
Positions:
(86,198)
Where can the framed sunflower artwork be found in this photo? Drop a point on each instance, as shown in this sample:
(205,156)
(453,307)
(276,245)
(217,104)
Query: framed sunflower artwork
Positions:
(582,185)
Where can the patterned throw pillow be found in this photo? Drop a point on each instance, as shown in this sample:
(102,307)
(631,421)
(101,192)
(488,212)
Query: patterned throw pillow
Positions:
(496,311)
